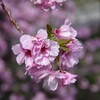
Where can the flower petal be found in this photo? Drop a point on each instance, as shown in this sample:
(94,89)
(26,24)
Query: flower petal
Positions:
(42,34)
(44,61)
(29,61)
(16,49)
(52,83)
(20,58)
(26,41)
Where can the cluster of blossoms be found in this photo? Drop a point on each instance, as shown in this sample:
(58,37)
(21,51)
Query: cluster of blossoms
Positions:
(48,4)
(48,51)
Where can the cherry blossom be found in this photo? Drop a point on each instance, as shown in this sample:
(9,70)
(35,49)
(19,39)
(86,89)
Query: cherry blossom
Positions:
(48,55)
(37,49)
(71,56)
(65,31)
(64,77)
(45,51)
(23,50)
(53,78)
(22,55)
(48,4)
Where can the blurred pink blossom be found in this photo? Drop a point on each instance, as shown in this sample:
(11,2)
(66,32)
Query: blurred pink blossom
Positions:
(48,4)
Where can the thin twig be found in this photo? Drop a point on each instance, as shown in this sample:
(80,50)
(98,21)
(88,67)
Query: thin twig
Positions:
(60,68)
(11,18)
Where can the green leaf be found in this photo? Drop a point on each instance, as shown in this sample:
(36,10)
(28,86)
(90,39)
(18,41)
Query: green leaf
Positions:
(62,42)
(49,31)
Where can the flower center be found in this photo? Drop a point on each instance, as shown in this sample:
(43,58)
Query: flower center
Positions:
(28,53)
(43,49)
(57,31)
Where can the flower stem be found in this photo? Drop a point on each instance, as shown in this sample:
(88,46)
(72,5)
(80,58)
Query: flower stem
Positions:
(58,63)
(60,68)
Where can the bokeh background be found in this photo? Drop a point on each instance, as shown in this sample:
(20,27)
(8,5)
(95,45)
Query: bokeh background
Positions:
(85,16)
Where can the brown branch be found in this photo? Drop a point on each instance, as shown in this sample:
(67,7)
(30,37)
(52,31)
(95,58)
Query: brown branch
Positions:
(11,18)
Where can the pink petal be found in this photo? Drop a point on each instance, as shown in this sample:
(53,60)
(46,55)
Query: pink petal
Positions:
(52,83)
(64,28)
(50,79)
(50,53)
(51,58)
(42,34)
(67,22)
(26,41)
(66,34)
(71,78)
(20,58)
(29,61)
(54,50)
(43,76)
(44,61)
(74,32)
(16,49)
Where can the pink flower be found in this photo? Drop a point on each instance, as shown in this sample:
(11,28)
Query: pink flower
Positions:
(24,50)
(44,50)
(70,57)
(48,4)
(64,77)
(39,49)
(52,78)
(65,31)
